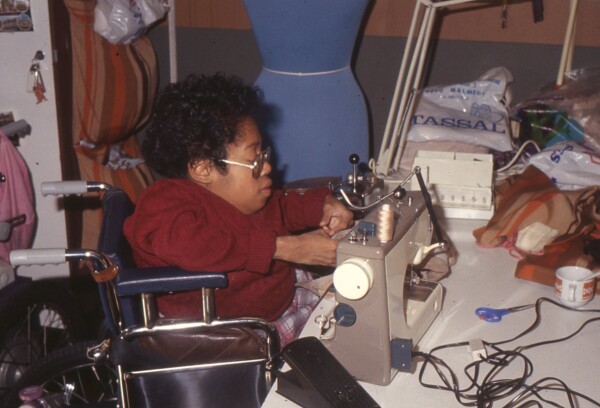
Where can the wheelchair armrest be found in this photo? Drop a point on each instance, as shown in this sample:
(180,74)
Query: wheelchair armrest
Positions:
(135,281)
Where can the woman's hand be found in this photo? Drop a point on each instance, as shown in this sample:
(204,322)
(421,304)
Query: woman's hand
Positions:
(311,248)
(336,217)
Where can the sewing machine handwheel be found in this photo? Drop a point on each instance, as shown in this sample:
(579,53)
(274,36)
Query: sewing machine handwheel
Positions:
(353,278)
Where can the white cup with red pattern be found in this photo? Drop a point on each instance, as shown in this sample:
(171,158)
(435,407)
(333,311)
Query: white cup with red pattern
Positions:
(574,285)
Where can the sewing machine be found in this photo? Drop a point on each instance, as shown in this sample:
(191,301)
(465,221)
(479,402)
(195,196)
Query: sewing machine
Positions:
(382,308)
(360,188)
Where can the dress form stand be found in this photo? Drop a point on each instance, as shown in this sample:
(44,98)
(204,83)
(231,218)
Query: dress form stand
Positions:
(318,115)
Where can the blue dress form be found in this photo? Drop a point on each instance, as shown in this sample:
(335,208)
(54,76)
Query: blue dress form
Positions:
(318,115)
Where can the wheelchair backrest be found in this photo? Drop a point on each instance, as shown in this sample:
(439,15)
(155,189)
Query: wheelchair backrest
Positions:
(116,207)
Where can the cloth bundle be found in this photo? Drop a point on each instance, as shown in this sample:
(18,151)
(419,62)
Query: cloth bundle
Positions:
(542,225)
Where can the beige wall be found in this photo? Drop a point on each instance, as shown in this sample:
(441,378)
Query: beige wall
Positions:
(473,21)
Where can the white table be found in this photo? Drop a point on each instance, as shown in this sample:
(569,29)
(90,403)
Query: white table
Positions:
(485,277)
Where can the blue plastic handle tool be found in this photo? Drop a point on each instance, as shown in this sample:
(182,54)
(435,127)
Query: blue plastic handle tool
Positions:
(491,315)
(495,315)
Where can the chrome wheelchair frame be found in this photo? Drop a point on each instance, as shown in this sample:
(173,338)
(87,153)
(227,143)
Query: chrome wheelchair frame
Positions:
(139,339)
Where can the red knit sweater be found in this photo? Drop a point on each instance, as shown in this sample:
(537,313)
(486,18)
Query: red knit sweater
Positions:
(177,222)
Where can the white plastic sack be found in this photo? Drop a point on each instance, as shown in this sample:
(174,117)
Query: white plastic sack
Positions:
(473,112)
(151,10)
(569,165)
(122,21)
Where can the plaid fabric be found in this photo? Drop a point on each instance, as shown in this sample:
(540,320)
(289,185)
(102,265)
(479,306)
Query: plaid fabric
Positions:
(292,321)
(532,197)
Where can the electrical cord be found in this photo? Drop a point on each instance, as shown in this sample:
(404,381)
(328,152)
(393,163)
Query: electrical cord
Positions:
(518,155)
(513,168)
(533,389)
(485,388)
(538,319)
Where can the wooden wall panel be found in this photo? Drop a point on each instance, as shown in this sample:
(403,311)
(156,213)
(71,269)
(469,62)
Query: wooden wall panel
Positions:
(477,21)
(225,14)
(194,13)
(230,14)
(389,17)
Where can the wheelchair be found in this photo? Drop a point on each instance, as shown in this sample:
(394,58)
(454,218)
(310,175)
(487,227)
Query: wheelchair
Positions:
(145,360)
(37,316)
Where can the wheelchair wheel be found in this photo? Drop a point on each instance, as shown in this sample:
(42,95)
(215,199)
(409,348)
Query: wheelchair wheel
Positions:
(37,317)
(70,368)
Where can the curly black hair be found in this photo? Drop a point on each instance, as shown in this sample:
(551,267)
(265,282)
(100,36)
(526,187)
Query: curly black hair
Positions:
(195,120)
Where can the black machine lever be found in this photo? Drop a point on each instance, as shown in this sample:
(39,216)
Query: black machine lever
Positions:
(429,204)
(354,159)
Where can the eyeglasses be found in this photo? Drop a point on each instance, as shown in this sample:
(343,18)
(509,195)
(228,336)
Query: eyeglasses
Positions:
(257,165)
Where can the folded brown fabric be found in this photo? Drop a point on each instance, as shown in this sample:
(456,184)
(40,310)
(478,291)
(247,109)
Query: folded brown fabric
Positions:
(532,198)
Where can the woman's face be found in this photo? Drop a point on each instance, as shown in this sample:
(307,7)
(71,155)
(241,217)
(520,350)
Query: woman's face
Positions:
(238,187)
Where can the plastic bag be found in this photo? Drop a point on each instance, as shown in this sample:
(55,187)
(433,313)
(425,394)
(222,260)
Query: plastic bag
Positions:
(472,112)
(569,113)
(123,21)
(569,165)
